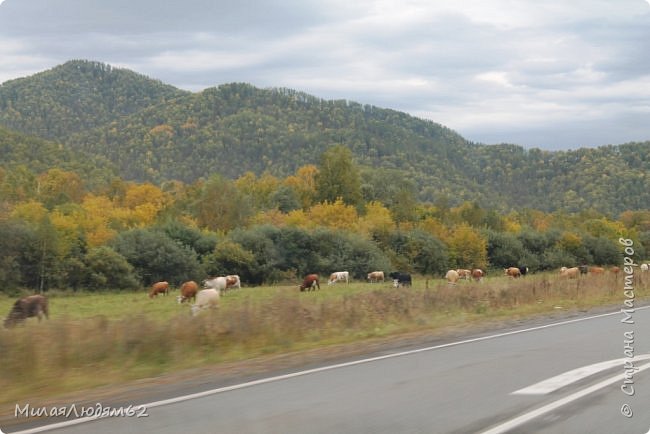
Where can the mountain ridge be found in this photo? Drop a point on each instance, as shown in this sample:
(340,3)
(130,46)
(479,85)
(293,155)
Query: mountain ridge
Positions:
(155,132)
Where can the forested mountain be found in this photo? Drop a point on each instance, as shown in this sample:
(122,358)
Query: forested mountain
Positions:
(153,132)
(77,96)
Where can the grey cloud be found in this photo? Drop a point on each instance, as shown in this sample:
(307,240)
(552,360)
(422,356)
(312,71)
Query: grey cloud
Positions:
(536,82)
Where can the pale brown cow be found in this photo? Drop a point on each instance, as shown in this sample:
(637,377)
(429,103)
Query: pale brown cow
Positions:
(596,270)
(452,277)
(376,276)
(159,288)
(26,307)
(570,273)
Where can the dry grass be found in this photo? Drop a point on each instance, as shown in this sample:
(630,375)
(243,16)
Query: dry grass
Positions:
(93,340)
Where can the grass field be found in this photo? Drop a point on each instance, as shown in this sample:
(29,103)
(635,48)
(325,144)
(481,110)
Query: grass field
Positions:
(92,340)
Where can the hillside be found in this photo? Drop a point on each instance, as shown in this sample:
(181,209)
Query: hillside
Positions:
(155,132)
(77,96)
(38,155)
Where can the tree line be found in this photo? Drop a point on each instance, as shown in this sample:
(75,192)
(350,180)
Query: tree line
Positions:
(56,231)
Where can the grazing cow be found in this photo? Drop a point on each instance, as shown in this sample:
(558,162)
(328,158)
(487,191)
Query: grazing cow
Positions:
(233,281)
(310,283)
(188,291)
(205,299)
(339,276)
(159,288)
(570,273)
(464,274)
(644,267)
(400,279)
(615,271)
(26,307)
(478,274)
(452,277)
(513,272)
(523,270)
(596,270)
(376,276)
(219,283)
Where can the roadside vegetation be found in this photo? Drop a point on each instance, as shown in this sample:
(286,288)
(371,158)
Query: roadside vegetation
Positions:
(98,339)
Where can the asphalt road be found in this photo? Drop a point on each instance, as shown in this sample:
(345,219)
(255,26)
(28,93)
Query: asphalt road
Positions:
(490,384)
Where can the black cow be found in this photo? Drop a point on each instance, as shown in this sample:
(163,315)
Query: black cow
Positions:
(400,279)
(523,270)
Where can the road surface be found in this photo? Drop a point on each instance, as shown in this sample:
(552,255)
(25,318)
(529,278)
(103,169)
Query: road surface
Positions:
(561,377)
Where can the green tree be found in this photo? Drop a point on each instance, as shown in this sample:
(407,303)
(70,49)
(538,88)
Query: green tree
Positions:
(107,269)
(338,177)
(154,256)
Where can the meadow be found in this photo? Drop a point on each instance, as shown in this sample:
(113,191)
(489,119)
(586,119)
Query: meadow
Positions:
(97,339)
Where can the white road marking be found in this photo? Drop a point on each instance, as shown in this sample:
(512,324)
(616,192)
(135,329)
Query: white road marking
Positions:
(321,369)
(527,417)
(570,377)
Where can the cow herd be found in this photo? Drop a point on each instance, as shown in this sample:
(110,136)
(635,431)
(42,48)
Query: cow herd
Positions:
(213,288)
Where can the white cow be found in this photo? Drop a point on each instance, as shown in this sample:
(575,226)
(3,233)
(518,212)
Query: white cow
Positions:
(339,276)
(219,283)
(205,299)
(645,267)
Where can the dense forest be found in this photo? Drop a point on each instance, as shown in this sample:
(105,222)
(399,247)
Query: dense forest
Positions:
(156,133)
(111,180)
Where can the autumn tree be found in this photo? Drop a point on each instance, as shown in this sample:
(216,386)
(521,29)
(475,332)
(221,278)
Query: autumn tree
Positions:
(467,248)
(56,187)
(220,205)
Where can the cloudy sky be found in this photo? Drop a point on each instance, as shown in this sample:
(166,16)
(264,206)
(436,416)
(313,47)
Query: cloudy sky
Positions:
(553,74)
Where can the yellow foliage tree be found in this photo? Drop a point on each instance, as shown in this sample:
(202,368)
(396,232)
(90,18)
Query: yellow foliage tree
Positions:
(304,183)
(32,212)
(95,218)
(434,227)
(378,218)
(335,215)
(58,186)
(467,248)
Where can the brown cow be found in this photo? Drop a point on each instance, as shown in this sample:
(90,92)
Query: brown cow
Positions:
(513,272)
(596,270)
(464,274)
(478,274)
(159,288)
(310,283)
(376,276)
(188,291)
(26,307)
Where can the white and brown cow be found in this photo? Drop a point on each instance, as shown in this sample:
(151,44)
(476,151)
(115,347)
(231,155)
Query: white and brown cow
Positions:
(310,283)
(339,276)
(513,272)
